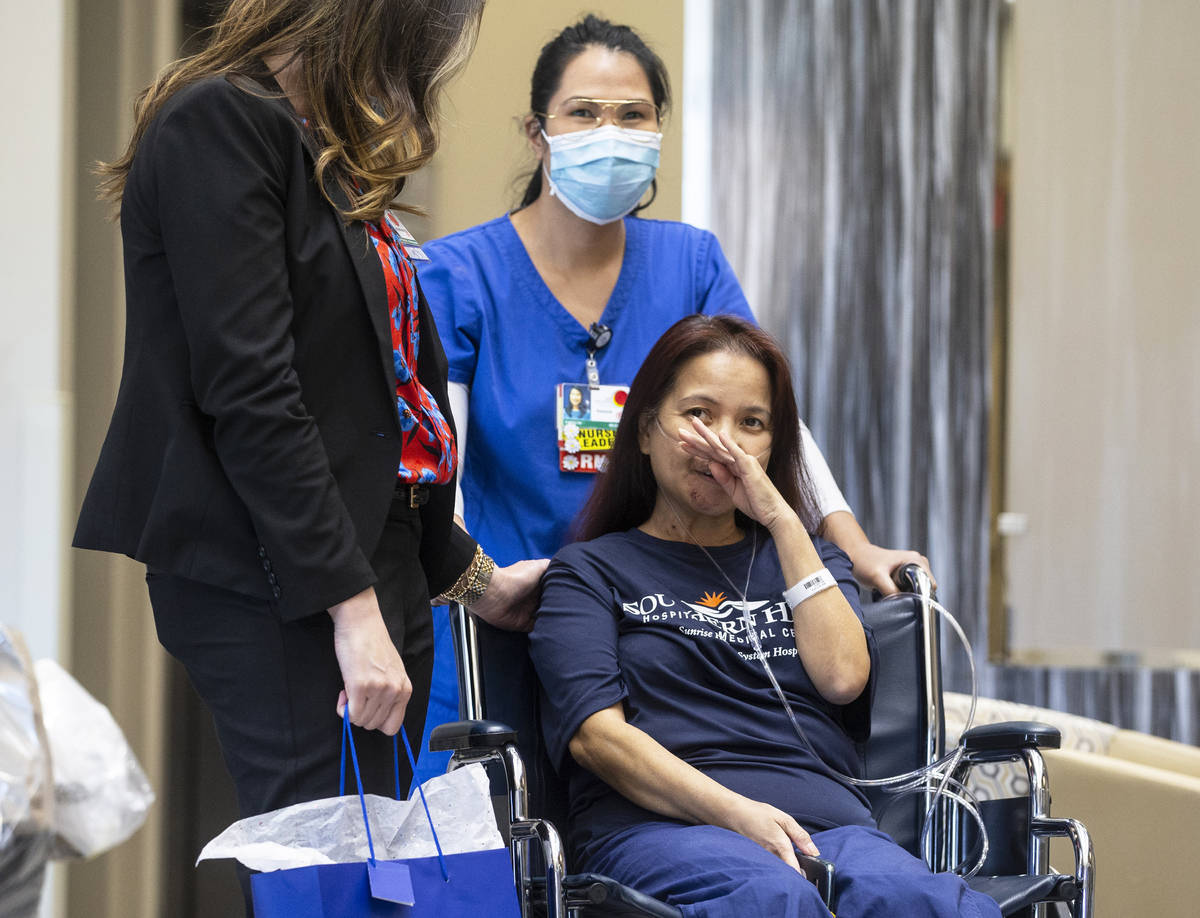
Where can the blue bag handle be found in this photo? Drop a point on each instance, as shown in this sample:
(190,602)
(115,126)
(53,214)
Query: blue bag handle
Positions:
(412,763)
(348,738)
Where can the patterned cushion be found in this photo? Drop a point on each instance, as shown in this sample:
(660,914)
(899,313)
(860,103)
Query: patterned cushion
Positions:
(1008,779)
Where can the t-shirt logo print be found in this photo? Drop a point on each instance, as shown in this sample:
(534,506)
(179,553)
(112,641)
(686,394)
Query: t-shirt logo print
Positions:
(727,617)
(715,608)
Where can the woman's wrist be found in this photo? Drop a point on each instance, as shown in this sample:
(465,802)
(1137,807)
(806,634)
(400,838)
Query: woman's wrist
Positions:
(472,583)
(797,553)
(808,587)
(723,809)
(786,527)
(358,607)
(799,560)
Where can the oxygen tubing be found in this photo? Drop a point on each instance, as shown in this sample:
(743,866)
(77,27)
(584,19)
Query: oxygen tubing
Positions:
(912,782)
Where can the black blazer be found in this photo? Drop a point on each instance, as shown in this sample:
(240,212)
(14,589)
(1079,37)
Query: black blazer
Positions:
(255,439)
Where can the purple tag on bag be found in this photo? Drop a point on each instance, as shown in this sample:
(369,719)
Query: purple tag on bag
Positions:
(391,882)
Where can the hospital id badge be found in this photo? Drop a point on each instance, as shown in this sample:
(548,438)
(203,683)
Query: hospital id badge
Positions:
(587,424)
(408,242)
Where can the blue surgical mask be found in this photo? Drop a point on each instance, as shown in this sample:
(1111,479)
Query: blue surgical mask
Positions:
(600,174)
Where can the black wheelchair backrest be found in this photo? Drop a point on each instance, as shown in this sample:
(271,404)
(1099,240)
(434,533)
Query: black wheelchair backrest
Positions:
(907,726)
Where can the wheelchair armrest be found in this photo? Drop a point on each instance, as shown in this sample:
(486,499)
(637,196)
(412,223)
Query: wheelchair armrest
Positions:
(1011,737)
(471,735)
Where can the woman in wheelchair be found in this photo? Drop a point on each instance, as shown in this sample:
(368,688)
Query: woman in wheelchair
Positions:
(687,779)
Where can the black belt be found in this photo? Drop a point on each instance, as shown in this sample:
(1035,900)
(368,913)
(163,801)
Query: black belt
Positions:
(416,495)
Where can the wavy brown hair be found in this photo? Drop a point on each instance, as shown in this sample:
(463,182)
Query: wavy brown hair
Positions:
(372,72)
(624,493)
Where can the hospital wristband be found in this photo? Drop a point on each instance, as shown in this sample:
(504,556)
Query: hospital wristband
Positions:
(808,587)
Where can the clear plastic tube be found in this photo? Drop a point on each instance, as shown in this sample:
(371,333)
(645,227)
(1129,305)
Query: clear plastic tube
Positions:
(910,782)
(918,780)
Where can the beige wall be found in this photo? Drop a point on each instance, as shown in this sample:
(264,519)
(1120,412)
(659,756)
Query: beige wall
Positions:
(483,153)
(1104,398)
(120,44)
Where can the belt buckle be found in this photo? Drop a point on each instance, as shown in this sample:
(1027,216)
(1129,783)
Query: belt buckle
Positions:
(418,495)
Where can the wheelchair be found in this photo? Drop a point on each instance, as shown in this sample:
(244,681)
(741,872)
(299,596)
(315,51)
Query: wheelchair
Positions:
(496,680)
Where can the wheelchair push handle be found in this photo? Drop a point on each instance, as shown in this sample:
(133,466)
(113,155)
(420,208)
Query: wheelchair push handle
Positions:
(912,578)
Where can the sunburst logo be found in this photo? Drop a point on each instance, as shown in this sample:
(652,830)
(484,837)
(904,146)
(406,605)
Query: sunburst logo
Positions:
(712,600)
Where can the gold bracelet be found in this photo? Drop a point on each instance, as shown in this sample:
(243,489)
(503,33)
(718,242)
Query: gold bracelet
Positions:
(473,582)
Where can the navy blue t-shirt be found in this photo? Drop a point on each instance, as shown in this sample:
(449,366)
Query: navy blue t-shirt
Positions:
(628,617)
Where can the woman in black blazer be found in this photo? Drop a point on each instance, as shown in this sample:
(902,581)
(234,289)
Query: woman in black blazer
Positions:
(253,454)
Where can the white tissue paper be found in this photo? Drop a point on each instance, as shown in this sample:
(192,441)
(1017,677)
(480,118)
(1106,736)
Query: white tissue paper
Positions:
(330,831)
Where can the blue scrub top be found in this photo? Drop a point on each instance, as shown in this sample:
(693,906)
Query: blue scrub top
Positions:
(512,343)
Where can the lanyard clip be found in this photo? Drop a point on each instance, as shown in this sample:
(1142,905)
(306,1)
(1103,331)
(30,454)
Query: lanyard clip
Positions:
(598,336)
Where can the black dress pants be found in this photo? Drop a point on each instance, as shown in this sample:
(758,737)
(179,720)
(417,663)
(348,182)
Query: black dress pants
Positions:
(272,686)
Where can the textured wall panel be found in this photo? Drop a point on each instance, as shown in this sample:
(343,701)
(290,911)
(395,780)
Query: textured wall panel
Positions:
(852,189)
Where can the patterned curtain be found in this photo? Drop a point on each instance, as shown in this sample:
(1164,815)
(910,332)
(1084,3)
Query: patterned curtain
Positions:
(852,183)
(852,190)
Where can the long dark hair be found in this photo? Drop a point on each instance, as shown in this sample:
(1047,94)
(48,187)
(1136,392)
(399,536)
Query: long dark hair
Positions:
(567,45)
(373,73)
(625,493)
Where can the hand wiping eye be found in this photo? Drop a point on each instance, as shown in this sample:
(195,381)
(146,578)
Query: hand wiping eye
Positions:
(705,443)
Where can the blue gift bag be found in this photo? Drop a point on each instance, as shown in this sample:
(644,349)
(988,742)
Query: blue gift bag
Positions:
(446,886)
(481,883)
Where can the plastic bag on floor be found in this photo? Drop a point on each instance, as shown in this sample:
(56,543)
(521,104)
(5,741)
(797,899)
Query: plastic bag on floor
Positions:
(69,783)
(25,784)
(101,795)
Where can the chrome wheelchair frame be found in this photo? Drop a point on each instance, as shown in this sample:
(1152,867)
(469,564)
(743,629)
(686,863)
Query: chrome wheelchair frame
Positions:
(1027,875)
(539,862)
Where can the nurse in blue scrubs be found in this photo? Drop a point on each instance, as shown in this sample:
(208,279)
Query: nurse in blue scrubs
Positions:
(573,288)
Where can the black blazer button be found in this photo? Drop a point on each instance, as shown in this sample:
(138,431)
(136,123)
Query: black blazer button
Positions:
(272,579)
(262,552)
(266,564)
(275,592)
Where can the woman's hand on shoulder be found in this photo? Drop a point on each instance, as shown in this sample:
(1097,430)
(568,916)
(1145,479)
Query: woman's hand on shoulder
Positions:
(740,474)
(512,596)
(770,827)
(377,687)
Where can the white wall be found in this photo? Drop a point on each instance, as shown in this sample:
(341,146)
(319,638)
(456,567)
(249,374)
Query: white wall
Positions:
(34,264)
(1104,398)
(695,102)
(35,407)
